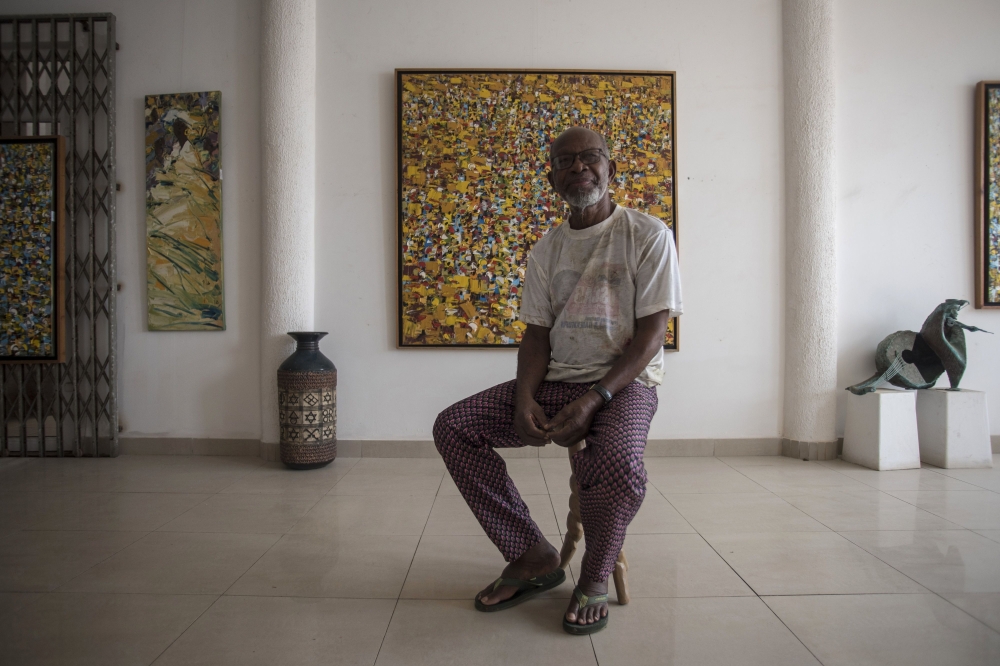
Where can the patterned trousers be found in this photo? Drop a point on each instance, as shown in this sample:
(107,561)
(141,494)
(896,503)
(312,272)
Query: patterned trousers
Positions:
(609,468)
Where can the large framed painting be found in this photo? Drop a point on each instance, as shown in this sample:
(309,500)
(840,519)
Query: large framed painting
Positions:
(988,194)
(32,249)
(473,195)
(184,213)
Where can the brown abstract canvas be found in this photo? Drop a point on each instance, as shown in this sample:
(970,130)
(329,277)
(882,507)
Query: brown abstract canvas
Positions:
(473,194)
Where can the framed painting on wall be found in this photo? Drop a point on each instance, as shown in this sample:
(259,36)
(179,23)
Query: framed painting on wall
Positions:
(184,284)
(472,149)
(988,194)
(32,249)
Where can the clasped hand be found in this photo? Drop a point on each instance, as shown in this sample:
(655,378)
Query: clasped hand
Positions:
(566,428)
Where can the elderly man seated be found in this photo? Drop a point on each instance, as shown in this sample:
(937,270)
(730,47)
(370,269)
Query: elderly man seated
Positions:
(599,292)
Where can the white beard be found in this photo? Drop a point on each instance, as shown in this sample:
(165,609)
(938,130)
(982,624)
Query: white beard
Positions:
(586,200)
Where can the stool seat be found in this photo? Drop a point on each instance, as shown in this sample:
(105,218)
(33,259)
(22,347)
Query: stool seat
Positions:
(574,532)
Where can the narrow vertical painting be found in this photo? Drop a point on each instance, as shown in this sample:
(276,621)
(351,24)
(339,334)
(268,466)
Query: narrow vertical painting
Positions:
(32,269)
(184,212)
(988,194)
(473,190)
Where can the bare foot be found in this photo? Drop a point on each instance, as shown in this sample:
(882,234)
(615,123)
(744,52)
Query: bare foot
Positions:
(540,559)
(590,614)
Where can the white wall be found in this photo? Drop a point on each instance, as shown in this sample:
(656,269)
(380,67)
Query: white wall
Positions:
(726,381)
(907,72)
(186,384)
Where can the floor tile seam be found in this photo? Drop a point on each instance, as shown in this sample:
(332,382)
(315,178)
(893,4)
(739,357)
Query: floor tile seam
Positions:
(241,477)
(337,482)
(910,578)
(929,593)
(106,492)
(191,508)
(802,642)
(305,513)
(750,594)
(545,478)
(961,480)
(309,596)
(744,475)
(252,565)
(957,528)
(688,522)
(979,531)
(768,492)
(386,632)
(937,514)
(97,564)
(89,593)
(408,569)
(728,564)
(185,630)
(995,631)
(762,491)
(420,539)
(933,565)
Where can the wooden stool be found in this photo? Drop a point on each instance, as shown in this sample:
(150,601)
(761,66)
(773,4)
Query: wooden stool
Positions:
(574,532)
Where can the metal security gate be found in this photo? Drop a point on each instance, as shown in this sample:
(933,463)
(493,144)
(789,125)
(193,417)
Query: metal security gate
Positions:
(57,76)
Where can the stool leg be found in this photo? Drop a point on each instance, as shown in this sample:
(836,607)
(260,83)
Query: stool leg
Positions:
(621,578)
(574,527)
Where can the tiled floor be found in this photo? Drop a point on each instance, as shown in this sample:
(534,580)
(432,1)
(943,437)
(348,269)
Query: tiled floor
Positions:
(218,561)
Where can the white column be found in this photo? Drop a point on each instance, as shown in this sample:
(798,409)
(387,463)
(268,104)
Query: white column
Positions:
(288,136)
(810,233)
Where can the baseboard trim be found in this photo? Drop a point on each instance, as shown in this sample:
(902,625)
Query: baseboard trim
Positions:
(187,446)
(793,448)
(367,448)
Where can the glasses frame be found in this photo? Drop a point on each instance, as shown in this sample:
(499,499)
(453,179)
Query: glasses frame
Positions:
(576,156)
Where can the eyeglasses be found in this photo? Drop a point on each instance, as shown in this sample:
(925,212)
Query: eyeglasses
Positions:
(590,156)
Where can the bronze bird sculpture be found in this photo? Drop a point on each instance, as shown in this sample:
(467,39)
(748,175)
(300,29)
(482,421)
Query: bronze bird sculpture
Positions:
(916,360)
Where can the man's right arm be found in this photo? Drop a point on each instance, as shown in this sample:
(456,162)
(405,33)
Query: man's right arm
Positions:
(532,366)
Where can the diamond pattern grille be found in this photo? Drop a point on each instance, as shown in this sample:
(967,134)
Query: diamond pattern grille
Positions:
(57,76)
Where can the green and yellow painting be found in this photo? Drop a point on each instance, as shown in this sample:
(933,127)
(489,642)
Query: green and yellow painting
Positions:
(184,212)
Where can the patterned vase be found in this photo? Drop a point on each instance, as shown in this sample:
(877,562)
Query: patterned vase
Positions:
(307,405)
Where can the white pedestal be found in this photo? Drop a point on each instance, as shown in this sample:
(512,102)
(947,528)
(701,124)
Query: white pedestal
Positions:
(954,428)
(881,430)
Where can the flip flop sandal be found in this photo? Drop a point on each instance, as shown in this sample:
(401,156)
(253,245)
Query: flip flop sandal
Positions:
(525,589)
(583,601)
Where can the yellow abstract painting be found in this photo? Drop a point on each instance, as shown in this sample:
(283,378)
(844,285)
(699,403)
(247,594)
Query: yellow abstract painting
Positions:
(184,213)
(473,194)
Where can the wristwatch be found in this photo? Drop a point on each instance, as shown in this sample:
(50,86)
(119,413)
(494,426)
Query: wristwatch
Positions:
(603,392)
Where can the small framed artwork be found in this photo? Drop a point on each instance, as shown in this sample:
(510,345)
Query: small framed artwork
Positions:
(32,249)
(184,278)
(988,194)
(473,191)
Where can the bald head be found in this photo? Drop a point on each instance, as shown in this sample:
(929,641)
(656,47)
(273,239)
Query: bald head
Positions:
(576,135)
(581,168)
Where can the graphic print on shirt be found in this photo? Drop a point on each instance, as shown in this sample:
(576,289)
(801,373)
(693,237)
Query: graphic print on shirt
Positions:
(591,299)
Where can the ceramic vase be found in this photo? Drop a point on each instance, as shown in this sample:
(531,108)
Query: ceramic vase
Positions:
(307,405)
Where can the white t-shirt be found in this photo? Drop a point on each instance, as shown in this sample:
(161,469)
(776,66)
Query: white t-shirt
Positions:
(590,285)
